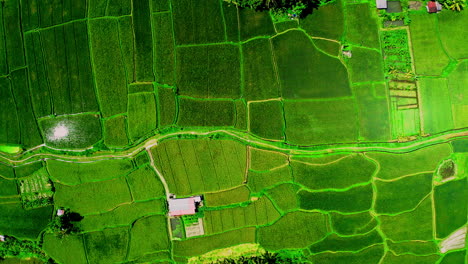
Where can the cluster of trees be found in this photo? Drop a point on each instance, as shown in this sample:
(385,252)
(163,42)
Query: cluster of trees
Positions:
(267,258)
(287,8)
(454,5)
(65,224)
(13,247)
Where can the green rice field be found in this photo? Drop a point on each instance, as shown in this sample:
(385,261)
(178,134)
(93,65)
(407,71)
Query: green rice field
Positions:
(326,138)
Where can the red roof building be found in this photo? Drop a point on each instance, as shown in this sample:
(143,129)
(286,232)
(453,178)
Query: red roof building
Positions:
(433,7)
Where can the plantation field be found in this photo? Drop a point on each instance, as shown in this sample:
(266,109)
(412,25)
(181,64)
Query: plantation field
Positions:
(332,137)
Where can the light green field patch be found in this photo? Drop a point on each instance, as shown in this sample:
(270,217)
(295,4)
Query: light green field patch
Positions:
(237,195)
(436,105)
(69,249)
(263,160)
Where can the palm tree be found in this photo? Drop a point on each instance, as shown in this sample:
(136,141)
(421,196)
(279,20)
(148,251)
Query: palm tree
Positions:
(455,5)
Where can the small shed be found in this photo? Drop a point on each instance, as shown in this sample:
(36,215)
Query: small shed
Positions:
(381,4)
(184,206)
(2,238)
(433,7)
(60,212)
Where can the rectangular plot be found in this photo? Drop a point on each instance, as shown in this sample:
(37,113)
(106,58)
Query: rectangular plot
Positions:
(436,105)
(116,241)
(141,115)
(167,106)
(179,169)
(374,117)
(160,5)
(119,7)
(237,195)
(9,127)
(362,27)
(97,8)
(366,65)
(255,23)
(235,154)
(28,224)
(190,156)
(3,59)
(211,71)
(271,127)
(241,115)
(143,41)
(45,13)
(115,132)
(164,50)
(161,161)
(107,61)
(30,135)
(231,21)
(29,14)
(127,48)
(14,41)
(258,61)
(205,112)
(206,165)
(37,76)
(69,249)
(145,184)
(140,87)
(205,20)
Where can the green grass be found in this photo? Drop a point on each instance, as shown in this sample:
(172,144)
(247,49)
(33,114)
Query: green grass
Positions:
(453,42)
(6,171)
(285,25)
(211,71)
(254,23)
(119,8)
(458,88)
(389,194)
(107,61)
(370,255)
(341,174)
(160,5)
(69,249)
(26,169)
(374,123)
(293,230)
(83,131)
(27,223)
(330,47)
(414,225)
(423,160)
(140,88)
(142,117)
(285,196)
(202,167)
(454,257)
(143,41)
(124,215)
(237,195)
(141,243)
(125,27)
(366,65)
(145,184)
(295,55)
(409,259)
(164,50)
(450,207)
(423,39)
(107,246)
(262,160)
(335,242)
(92,197)
(231,21)
(415,247)
(167,106)
(9,127)
(9,187)
(115,132)
(14,41)
(435,104)
(201,245)
(3,55)
(205,19)
(258,181)
(361,26)
(270,126)
(319,122)
(241,115)
(260,77)
(355,199)
(352,224)
(73,173)
(200,112)
(325,22)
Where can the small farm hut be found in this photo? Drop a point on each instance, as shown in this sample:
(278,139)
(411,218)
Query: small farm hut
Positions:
(433,6)
(381,4)
(183,206)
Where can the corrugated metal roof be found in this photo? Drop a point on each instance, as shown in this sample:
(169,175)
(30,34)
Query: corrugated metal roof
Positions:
(381,4)
(184,206)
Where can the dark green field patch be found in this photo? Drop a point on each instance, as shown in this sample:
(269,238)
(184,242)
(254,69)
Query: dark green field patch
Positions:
(263,160)
(107,246)
(361,27)
(259,181)
(237,195)
(107,61)
(231,21)
(9,187)
(353,200)
(145,184)
(369,255)
(27,169)
(164,50)
(92,197)
(293,230)
(319,122)
(325,22)
(271,127)
(21,223)
(285,25)
(348,171)
(201,245)
(403,194)
(211,71)
(335,243)
(68,249)
(9,127)
(140,88)
(285,196)
(73,173)
(13,40)
(115,134)
(414,225)
(194,112)
(167,106)
(71,131)
(143,59)
(391,258)
(450,207)
(260,77)
(352,224)
(454,257)
(254,23)
(142,117)
(205,19)
(125,26)
(330,47)
(436,105)
(306,72)
(241,114)
(141,243)
(366,65)
(423,160)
